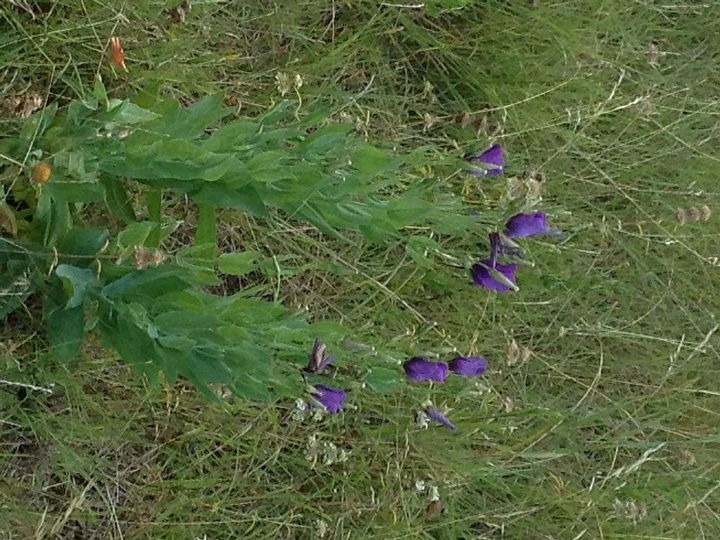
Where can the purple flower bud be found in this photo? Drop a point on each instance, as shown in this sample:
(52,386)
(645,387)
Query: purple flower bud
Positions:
(483,275)
(492,162)
(318,360)
(330,398)
(435,414)
(524,225)
(471,366)
(418,370)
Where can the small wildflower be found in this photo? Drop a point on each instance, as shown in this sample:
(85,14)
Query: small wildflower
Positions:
(318,360)
(298,81)
(300,411)
(312,450)
(117,54)
(491,162)
(418,370)
(284,83)
(422,420)
(41,173)
(332,454)
(321,528)
(508,404)
(332,399)
(428,121)
(471,366)
(630,510)
(524,225)
(420,485)
(436,415)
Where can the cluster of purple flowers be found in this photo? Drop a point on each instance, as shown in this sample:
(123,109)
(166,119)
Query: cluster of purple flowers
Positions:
(490,273)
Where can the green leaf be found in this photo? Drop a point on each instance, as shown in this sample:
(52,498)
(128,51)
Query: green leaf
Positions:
(117,199)
(135,234)
(127,113)
(153,200)
(206,233)
(78,283)
(191,123)
(383,380)
(36,125)
(99,90)
(220,196)
(149,283)
(237,264)
(14,290)
(65,328)
(230,136)
(51,219)
(74,191)
(370,160)
(328,330)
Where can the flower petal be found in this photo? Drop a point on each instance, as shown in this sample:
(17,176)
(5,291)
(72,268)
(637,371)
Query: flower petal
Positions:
(524,225)
(435,414)
(330,398)
(418,369)
(484,277)
(492,161)
(471,366)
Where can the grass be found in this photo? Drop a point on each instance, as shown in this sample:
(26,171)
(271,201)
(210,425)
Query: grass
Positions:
(609,430)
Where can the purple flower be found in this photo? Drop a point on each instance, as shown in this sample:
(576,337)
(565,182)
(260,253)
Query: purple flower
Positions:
(524,225)
(471,366)
(435,414)
(418,370)
(494,276)
(330,398)
(318,360)
(492,162)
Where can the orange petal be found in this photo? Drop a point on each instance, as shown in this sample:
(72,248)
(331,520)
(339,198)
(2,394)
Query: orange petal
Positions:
(117,53)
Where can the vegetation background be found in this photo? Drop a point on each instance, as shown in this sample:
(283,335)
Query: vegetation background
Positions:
(606,427)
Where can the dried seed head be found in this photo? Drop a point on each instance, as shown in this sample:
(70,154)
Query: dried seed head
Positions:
(653,54)
(512,355)
(693,214)
(681,215)
(41,173)
(22,106)
(176,14)
(435,509)
(428,121)
(145,257)
(463,119)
